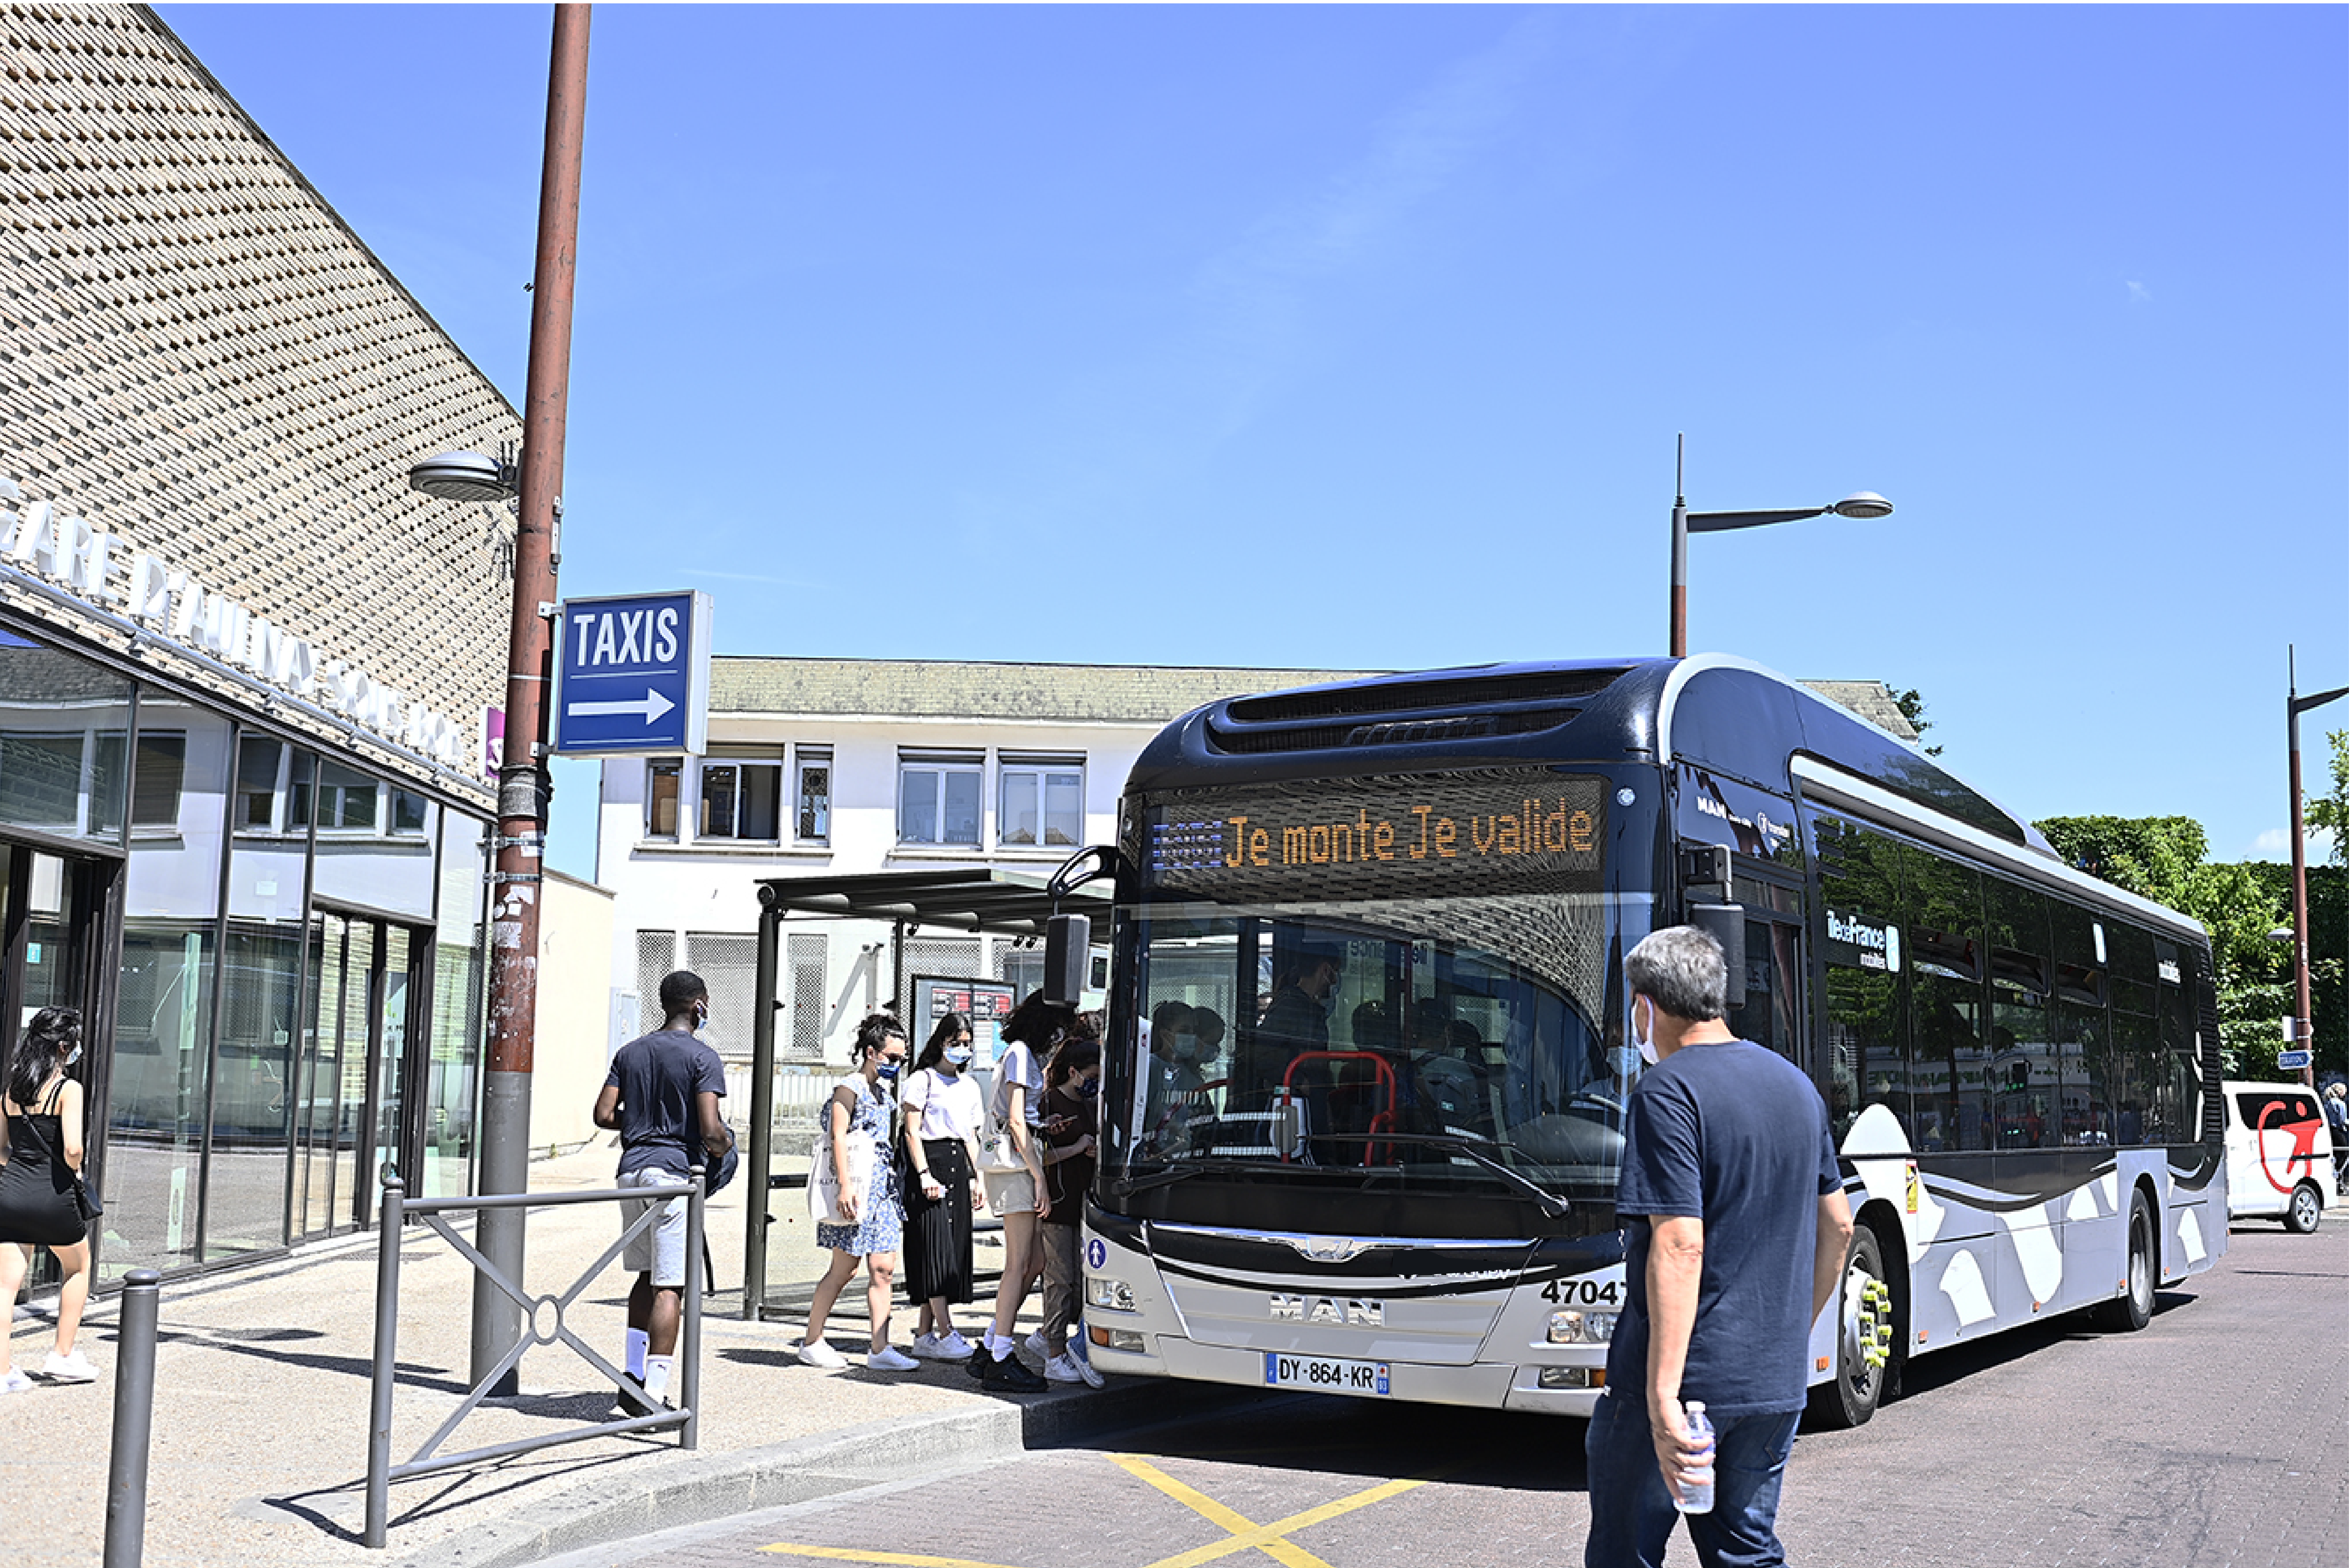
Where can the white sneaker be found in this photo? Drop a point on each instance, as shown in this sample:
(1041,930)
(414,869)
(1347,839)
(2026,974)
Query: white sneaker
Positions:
(74,1368)
(13,1381)
(925,1347)
(1085,1370)
(1063,1369)
(1035,1345)
(954,1348)
(818,1354)
(889,1359)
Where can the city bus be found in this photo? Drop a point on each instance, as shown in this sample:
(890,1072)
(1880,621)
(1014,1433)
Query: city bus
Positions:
(1369,1046)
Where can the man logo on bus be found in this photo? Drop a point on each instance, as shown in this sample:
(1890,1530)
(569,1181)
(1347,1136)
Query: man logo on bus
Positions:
(1356,1313)
(2297,1116)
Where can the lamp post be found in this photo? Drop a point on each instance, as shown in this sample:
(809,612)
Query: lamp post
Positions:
(1865,504)
(523,783)
(2294,706)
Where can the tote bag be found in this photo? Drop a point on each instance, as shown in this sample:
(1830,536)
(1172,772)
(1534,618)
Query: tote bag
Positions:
(824,1179)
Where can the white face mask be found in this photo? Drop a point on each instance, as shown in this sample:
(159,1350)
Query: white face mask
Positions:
(73,1056)
(1640,1036)
(1624,1060)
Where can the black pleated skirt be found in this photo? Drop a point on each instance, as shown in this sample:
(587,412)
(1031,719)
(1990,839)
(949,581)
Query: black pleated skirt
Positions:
(937,1260)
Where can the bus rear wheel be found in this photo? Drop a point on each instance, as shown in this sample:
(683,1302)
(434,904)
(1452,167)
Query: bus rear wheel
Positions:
(2133,1308)
(1864,1339)
(2307,1209)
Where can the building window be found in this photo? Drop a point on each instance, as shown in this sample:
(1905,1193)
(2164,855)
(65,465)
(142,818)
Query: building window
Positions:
(1040,802)
(349,801)
(938,798)
(156,776)
(812,794)
(407,813)
(660,797)
(257,758)
(741,799)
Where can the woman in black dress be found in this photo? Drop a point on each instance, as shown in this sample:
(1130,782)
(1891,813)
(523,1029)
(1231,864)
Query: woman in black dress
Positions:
(42,1101)
(944,1114)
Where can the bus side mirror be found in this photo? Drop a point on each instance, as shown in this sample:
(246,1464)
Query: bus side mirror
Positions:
(1726,923)
(1068,948)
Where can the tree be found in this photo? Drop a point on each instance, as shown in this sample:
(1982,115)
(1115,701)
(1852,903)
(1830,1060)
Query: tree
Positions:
(1911,704)
(2163,858)
(2331,812)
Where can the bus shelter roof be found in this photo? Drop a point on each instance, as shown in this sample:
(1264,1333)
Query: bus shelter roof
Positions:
(963,899)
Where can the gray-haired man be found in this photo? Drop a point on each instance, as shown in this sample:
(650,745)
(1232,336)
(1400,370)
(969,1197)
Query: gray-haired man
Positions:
(1736,1227)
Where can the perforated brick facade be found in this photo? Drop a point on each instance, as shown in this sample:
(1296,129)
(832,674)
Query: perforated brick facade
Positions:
(199,357)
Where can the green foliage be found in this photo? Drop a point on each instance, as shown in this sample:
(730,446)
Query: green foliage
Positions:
(2162,858)
(2331,811)
(1911,704)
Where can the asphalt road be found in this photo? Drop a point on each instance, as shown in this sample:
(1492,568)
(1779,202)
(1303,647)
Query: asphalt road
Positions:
(2211,1438)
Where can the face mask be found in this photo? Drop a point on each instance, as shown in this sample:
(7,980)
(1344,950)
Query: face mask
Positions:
(1624,1060)
(1088,1087)
(700,1017)
(1640,1036)
(1186,1047)
(889,1071)
(73,1056)
(959,1055)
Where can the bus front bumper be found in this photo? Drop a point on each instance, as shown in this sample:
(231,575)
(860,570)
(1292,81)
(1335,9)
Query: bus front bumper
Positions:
(1571,1390)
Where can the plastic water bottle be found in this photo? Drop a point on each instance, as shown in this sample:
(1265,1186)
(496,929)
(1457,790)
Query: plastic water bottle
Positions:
(1696,1492)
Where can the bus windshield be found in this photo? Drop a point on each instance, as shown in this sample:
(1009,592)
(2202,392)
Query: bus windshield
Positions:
(1439,1022)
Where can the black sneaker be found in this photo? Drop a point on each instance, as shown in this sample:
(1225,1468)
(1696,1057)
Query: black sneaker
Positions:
(980,1360)
(1008,1374)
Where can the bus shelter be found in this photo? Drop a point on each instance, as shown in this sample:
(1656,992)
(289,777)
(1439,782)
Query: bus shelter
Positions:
(978,899)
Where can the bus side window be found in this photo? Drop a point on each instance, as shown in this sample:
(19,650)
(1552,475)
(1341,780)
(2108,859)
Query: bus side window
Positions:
(1865,1052)
(1946,1049)
(2137,1066)
(2025,1077)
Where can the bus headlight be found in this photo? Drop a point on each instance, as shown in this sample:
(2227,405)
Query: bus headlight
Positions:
(1581,1327)
(1109,1295)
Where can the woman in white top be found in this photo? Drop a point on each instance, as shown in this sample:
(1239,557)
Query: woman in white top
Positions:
(944,1113)
(1016,1195)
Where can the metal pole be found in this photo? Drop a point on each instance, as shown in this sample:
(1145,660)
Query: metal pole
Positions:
(688,1362)
(1679,551)
(523,783)
(134,1411)
(380,1374)
(2299,1031)
(762,1110)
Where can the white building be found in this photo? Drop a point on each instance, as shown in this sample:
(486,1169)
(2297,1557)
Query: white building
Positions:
(842,766)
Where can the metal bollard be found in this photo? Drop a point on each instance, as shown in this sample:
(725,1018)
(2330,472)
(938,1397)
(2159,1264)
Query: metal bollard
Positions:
(377,1525)
(134,1411)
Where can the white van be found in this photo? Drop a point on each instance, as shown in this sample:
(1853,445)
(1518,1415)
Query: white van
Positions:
(2279,1154)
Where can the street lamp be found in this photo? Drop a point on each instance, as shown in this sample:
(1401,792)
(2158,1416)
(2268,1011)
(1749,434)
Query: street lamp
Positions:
(2294,706)
(1866,504)
(536,483)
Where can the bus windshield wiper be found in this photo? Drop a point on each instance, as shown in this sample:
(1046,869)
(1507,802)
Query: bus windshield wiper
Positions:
(1184,1168)
(1549,1202)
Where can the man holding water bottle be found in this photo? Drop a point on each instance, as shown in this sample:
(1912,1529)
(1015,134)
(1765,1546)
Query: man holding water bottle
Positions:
(1732,1204)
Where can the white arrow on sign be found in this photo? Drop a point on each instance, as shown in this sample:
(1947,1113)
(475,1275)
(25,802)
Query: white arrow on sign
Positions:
(653,706)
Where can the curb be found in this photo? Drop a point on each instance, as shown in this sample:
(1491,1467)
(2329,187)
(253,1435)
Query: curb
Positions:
(692,1488)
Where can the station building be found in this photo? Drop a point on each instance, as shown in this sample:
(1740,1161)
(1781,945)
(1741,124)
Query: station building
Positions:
(243,670)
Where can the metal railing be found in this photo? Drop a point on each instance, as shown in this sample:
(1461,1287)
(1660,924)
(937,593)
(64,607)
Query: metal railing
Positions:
(544,1323)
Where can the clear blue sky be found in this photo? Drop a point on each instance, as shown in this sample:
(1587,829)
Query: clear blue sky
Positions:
(1359,337)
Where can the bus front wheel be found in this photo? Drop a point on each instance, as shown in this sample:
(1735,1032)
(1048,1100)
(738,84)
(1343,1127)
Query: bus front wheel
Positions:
(2133,1308)
(1864,1339)
(2307,1209)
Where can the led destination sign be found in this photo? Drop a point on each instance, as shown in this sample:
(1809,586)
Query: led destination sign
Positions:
(1517,831)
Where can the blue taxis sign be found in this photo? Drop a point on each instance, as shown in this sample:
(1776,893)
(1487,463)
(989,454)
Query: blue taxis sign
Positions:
(634,675)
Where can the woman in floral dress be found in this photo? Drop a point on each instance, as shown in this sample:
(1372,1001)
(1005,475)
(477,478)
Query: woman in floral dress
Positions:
(858,1114)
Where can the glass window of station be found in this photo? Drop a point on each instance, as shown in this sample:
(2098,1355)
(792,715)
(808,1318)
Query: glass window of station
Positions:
(278,954)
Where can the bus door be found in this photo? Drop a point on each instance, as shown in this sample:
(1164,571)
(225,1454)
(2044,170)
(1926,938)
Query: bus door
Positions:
(1772,1011)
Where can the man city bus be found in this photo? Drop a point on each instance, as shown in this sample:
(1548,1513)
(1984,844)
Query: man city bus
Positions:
(1398,908)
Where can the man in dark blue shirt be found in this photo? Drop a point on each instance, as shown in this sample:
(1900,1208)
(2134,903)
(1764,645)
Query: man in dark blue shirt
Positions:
(1735,1229)
(661,1097)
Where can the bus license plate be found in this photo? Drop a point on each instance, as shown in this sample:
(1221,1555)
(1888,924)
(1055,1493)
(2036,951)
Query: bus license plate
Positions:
(1324,1375)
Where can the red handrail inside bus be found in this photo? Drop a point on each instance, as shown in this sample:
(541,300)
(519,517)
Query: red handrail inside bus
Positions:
(1384,1078)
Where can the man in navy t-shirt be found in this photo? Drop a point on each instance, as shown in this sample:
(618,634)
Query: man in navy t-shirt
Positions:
(661,1097)
(1735,1229)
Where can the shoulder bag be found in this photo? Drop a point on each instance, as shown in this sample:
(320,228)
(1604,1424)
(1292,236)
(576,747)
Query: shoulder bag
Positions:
(824,1178)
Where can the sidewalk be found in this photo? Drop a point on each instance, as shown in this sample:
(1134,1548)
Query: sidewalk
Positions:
(261,1407)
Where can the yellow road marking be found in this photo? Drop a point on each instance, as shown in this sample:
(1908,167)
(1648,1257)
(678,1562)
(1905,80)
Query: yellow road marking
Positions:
(1246,1534)
(897,1558)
